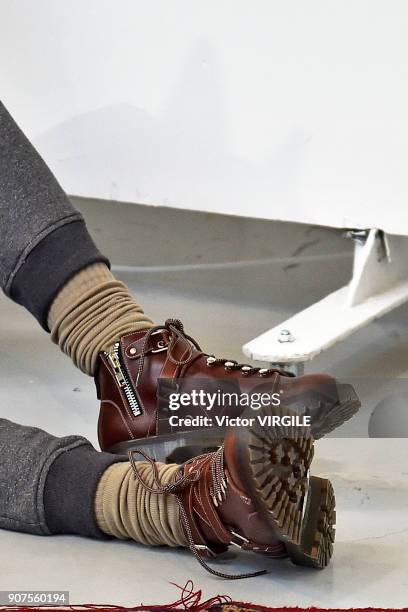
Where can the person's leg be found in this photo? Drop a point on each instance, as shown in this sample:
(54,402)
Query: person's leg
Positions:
(47,484)
(48,261)
(50,265)
(90,313)
(43,239)
(52,485)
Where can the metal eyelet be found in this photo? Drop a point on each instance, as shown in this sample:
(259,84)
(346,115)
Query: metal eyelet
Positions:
(161,346)
(241,540)
(228,365)
(263,372)
(204,550)
(132,350)
(246,369)
(211,361)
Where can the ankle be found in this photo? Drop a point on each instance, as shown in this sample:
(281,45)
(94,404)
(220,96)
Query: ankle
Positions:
(90,313)
(125,510)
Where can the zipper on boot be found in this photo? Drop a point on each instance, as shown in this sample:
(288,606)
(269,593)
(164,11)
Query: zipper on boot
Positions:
(114,362)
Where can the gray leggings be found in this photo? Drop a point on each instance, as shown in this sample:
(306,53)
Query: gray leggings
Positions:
(43,238)
(48,484)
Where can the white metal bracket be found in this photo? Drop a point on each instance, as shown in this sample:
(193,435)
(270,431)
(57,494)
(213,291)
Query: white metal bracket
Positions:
(378,285)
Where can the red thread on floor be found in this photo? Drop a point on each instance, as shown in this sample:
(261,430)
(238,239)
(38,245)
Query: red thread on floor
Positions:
(190,600)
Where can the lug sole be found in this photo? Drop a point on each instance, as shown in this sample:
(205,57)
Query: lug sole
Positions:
(179,447)
(315,547)
(329,416)
(273,466)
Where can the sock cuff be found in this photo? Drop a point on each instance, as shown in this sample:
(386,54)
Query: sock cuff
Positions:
(125,510)
(50,265)
(90,313)
(107,494)
(85,280)
(70,490)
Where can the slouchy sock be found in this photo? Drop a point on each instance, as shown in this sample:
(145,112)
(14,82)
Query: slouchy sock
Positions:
(126,510)
(90,313)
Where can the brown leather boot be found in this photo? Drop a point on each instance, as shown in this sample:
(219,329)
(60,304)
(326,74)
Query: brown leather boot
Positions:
(255,493)
(135,411)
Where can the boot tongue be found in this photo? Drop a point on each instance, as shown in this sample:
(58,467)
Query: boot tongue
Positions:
(181,352)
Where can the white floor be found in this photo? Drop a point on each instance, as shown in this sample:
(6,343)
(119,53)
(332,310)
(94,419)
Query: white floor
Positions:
(223,309)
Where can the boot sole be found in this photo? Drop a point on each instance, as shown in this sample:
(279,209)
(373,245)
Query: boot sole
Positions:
(273,466)
(180,447)
(329,416)
(174,448)
(318,534)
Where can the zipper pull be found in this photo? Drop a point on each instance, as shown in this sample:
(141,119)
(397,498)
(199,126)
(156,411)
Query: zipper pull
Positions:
(117,370)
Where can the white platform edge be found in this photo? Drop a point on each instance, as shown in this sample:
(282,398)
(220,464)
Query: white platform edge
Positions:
(322,325)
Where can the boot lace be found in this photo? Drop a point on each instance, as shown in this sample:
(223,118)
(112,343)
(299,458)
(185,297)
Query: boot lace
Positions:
(176,330)
(176,487)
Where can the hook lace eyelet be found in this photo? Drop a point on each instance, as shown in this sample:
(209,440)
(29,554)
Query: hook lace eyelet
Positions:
(228,365)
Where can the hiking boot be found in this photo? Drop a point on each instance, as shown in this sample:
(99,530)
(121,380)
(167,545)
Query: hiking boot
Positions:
(136,379)
(255,493)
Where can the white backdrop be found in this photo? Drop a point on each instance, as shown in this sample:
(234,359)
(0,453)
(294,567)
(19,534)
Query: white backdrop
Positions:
(269,108)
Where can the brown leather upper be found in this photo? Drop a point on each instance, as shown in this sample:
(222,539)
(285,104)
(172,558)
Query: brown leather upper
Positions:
(166,352)
(231,519)
(214,512)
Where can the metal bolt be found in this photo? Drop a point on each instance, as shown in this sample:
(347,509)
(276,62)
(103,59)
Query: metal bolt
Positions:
(285,336)
(359,236)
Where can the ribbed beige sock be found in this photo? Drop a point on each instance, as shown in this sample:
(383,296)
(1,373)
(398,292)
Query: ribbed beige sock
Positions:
(125,510)
(90,313)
